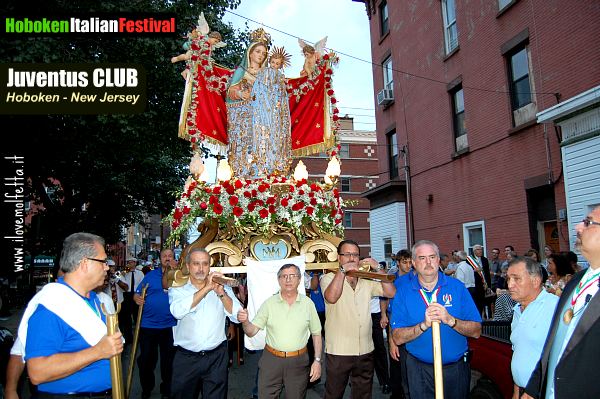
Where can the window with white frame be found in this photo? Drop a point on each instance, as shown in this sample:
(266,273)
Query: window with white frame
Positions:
(393,154)
(388,75)
(473,234)
(450,29)
(387,247)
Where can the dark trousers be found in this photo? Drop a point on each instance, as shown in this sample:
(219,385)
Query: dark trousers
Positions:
(277,373)
(381,353)
(457,378)
(196,372)
(399,376)
(358,368)
(151,340)
(127,316)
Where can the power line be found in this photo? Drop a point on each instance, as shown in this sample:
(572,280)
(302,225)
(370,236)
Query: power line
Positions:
(395,70)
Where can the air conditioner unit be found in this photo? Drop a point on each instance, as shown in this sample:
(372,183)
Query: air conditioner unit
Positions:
(385,97)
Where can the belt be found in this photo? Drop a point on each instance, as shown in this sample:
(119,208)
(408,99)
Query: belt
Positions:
(202,353)
(285,354)
(49,395)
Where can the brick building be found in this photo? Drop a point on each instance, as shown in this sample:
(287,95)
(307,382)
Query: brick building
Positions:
(358,155)
(458,88)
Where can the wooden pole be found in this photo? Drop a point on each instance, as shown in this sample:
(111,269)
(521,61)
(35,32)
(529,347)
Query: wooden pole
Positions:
(437,356)
(116,371)
(136,334)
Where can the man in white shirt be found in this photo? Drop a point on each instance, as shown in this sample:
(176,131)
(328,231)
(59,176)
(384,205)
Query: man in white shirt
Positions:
(200,307)
(129,309)
(465,273)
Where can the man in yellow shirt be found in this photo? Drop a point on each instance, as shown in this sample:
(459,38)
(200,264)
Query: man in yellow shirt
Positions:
(349,343)
(289,318)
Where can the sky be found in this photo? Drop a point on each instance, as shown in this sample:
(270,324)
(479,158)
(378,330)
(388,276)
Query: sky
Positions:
(346,26)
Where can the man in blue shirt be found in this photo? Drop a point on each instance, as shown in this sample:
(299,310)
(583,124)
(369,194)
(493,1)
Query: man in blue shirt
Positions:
(66,346)
(200,307)
(425,297)
(156,329)
(531,318)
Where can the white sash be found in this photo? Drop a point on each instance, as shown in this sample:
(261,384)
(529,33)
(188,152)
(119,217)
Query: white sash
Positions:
(70,307)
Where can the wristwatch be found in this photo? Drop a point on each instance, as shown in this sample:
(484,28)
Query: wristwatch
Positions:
(342,269)
(317,359)
(453,324)
(221,296)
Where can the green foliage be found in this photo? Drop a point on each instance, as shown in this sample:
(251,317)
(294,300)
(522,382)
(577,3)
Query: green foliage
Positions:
(112,168)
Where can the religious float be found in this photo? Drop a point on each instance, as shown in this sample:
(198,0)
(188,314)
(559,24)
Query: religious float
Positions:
(257,120)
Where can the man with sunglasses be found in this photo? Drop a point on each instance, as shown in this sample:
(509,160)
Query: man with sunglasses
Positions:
(349,342)
(568,366)
(66,346)
(288,318)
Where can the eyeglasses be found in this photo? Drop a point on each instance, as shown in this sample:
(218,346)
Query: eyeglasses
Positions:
(105,261)
(587,222)
(288,277)
(350,255)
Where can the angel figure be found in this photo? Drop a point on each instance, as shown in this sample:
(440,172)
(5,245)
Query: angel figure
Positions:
(311,56)
(201,33)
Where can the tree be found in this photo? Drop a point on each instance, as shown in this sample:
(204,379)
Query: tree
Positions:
(110,169)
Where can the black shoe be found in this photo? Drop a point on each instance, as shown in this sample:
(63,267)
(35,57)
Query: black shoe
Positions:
(385,389)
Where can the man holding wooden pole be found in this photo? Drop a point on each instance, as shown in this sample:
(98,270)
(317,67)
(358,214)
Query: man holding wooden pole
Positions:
(423,299)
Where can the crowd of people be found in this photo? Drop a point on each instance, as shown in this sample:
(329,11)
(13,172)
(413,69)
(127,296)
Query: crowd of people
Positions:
(340,320)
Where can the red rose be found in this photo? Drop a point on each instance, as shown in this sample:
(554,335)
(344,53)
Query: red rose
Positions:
(272,209)
(292,189)
(300,192)
(300,205)
(193,140)
(335,118)
(338,221)
(233,200)
(283,179)
(314,187)
(203,205)
(195,46)
(270,200)
(230,190)
(217,190)
(330,92)
(313,201)
(333,100)
(329,71)
(259,202)
(251,207)
(295,207)
(333,212)
(326,57)
(225,184)
(336,193)
(204,62)
(175,224)
(311,194)
(285,202)
(218,209)
(237,211)
(178,214)
(247,194)
(327,79)
(213,200)
(186,210)
(263,213)
(254,193)
(336,111)
(310,210)
(238,184)
(262,188)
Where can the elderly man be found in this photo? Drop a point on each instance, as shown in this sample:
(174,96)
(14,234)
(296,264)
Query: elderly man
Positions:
(531,318)
(568,366)
(349,344)
(66,346)
(481,268)
(465,273)
(200,307)
(156,329)
(425,297)
(289,319)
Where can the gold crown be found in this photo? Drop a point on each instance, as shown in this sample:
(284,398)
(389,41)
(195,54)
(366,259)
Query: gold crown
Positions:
(279,52)
(260,35)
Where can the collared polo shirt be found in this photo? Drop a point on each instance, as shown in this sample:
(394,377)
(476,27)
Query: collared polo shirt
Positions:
(348,321)
(409,310)
(288,327)
(156,312)
(529,329)
(202,327)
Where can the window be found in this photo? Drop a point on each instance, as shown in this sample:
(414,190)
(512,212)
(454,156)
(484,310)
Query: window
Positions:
(503,3)
(458,118)
(387,247)
(393,154)
(520,89)
(450,30)
(388,76)
(345,150)
(345,183)
(473,234)
(347,219)
(384,20)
